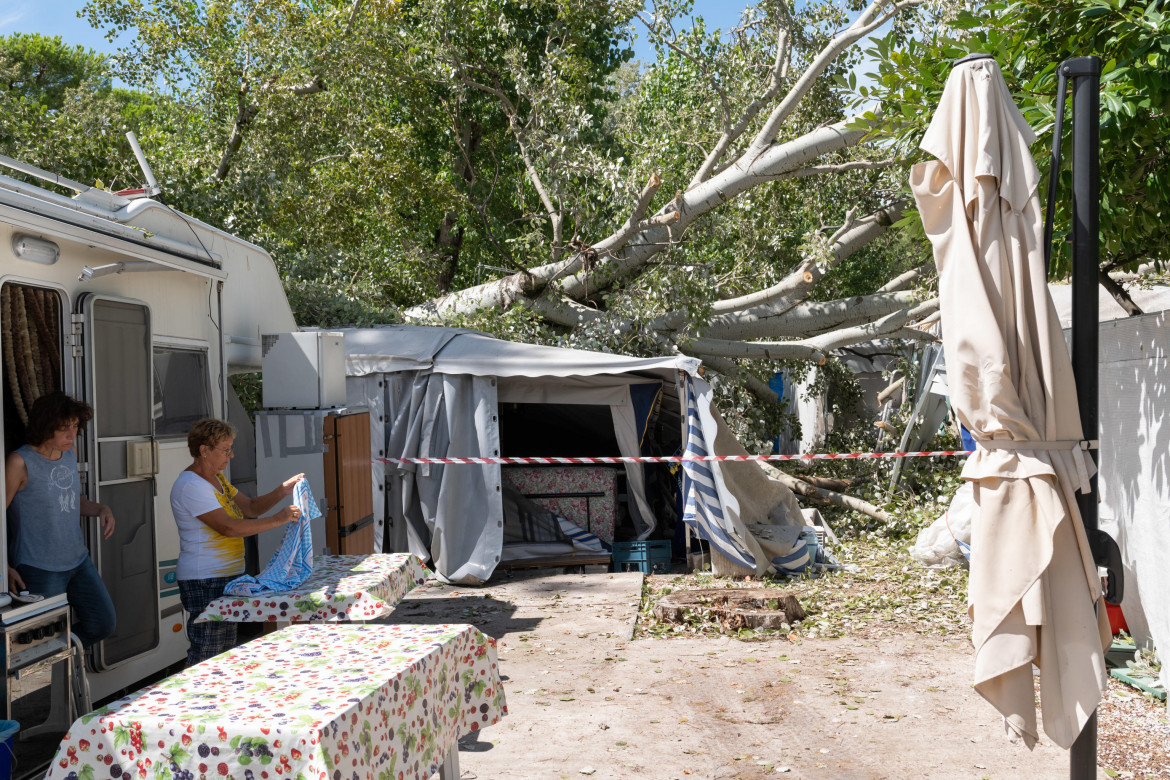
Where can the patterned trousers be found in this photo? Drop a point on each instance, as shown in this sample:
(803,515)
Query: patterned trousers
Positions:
(212,637)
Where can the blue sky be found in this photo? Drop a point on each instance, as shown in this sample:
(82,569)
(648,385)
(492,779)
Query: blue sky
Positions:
(51,17)
(59,17)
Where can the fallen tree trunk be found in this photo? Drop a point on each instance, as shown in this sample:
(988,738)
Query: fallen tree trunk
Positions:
(827,483)
(802,488)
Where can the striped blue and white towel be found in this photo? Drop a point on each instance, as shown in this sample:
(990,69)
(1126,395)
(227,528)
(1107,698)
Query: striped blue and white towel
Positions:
(702,508)
(292,563)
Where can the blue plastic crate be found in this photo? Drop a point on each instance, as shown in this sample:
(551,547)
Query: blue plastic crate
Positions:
(8,729)
(648,557)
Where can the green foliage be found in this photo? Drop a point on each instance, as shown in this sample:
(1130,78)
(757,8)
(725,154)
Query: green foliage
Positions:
(1029,38)
(42,70)
(58,106)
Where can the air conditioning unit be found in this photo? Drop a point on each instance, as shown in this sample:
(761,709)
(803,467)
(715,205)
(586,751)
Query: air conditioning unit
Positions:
(303,370)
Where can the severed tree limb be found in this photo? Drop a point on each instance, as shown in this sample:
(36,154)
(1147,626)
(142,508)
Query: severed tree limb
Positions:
(813,318)
(871,18)
(634,222)
(821,170)
(802,488)
(776,75)
(806,319)
(886,326)
(914,333)
(561,312)
(629,260)
(772,350)
(884,395)
(903,281)
(758,387)
(797,282)
(852,236)
(784,296)
(1119,294)
(827,483)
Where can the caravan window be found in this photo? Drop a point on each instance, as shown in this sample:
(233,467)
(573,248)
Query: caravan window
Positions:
(182,389)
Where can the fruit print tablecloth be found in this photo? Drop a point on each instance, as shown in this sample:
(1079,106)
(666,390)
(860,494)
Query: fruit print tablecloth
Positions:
(310,702)
(341,587)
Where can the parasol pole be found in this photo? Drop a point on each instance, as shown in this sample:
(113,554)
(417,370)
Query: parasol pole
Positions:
(1085,75)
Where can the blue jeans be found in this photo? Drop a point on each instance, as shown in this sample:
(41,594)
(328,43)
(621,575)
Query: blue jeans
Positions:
(94,618)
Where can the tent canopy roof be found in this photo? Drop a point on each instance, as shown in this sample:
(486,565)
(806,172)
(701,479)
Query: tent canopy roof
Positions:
(458,351)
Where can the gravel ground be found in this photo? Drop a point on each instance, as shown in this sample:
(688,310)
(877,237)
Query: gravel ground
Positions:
(884,598)
(1133,734)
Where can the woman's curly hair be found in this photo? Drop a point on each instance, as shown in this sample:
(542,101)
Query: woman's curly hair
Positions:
(53,412)
(209,431)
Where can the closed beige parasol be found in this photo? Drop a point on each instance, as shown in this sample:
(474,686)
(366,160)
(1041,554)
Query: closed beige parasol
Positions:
(1033,584)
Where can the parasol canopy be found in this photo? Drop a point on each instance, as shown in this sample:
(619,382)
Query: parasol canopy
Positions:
(1034,585)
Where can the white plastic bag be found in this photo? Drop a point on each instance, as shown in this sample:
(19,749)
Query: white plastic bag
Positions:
(937,545)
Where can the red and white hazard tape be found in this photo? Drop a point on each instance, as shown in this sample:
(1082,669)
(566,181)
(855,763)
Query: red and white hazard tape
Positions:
(669,458)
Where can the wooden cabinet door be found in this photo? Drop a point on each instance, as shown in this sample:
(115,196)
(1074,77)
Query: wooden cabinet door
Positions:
(349,485)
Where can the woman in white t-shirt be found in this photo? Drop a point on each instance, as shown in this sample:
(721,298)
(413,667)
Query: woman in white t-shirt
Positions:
(213,519)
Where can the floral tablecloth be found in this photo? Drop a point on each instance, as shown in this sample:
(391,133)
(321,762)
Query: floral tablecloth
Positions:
(341,587)
(310,702)
(561,489)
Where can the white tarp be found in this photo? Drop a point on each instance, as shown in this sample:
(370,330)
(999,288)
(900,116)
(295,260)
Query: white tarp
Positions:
(1134,417)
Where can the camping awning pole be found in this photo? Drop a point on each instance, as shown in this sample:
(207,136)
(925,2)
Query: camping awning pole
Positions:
(1085,75)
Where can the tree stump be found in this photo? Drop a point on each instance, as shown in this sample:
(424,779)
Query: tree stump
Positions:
(732,608)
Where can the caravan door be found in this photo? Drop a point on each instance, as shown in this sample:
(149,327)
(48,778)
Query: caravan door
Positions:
(116,380)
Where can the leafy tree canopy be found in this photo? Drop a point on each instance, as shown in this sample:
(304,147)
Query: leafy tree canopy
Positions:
(42,69)
(1029,39)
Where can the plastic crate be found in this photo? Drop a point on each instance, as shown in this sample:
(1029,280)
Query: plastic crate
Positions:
(648,557)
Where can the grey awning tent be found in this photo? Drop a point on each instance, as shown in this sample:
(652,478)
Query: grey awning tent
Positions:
(446,392)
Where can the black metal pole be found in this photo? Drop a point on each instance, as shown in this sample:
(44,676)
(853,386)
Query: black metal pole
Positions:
(1085,75)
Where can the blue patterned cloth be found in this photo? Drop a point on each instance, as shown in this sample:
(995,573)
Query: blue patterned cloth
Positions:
(292,563)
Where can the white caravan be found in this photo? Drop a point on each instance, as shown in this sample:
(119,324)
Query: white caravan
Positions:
(143,312)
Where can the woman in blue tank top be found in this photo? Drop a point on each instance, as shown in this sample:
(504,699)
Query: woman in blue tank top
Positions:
(46,547)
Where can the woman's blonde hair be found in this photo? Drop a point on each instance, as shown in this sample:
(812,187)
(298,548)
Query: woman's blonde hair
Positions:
(209,431)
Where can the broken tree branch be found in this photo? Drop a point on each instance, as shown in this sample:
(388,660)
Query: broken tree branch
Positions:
(802,488)
(631,225)
(772,350)
(874,16)
(758,387)
(903,281)
(1119,294)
